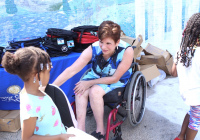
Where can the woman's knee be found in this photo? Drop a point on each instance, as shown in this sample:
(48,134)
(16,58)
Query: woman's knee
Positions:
(82,96)
(96,92)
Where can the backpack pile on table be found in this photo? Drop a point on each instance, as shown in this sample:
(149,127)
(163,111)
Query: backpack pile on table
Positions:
(59,42)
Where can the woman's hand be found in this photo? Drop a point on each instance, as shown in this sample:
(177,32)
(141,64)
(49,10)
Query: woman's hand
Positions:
(81,87)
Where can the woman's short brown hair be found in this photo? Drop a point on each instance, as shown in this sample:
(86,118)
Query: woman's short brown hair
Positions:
(109,29)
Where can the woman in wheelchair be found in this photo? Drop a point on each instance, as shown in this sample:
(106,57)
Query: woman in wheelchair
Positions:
(110,70)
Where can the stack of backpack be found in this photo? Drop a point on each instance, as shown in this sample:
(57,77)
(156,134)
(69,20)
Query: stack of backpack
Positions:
(87,34)
(59,41)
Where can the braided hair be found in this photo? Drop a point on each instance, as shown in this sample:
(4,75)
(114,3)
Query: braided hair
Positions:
(190,39)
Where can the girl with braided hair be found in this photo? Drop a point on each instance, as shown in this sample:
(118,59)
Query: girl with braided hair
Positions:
(39,116)
(187,68)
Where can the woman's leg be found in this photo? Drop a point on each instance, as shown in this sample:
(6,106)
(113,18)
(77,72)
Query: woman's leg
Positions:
(96,94)
(81,107)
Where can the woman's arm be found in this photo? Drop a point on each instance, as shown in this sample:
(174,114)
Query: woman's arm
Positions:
(173,71)
(28,132)
(125,64)
(77,66)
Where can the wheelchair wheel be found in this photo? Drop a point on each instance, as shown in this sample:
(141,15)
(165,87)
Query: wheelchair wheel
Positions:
(136,98)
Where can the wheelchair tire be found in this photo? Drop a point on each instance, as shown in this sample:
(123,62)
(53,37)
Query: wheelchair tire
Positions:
(136,98)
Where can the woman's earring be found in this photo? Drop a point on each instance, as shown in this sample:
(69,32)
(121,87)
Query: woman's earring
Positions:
(34,80)
(117,47)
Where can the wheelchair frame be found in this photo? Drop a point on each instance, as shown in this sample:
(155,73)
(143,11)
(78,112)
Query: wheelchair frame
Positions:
(133,101)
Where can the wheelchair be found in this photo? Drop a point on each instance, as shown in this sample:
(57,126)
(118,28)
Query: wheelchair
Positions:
(132,99)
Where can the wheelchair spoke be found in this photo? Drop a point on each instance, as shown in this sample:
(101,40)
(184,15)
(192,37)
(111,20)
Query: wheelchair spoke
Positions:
(138,106)
(137,98)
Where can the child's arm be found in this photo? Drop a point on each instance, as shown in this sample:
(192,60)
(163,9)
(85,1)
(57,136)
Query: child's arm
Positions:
(173,71)
(28,132)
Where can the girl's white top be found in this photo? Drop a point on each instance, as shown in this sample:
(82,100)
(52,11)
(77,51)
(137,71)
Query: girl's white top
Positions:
(189,80)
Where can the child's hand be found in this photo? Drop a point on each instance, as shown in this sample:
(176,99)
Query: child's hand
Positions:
(66,136)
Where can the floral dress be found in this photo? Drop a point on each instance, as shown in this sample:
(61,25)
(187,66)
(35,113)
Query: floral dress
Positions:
(48,117)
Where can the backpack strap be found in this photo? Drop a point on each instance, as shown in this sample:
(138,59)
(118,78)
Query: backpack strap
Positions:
(81,35)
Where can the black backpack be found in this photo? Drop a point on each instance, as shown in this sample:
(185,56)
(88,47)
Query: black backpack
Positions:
(87,34)
(59,41)
(26,42)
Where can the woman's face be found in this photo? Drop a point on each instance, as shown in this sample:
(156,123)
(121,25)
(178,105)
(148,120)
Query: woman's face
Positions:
(108,46)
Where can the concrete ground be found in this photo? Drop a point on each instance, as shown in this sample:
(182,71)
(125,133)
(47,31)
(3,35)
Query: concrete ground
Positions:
(163,117)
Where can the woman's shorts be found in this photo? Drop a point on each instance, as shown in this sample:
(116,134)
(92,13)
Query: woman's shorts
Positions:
(194,121)
(107,88)
(117,87)
(111,87)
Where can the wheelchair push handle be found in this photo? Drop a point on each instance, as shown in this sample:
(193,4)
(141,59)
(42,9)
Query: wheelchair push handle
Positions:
(134,66)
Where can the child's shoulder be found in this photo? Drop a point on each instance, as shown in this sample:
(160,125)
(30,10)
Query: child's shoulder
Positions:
(31,99)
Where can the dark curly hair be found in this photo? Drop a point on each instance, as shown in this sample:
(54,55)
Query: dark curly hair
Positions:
(190,40)
(25,61)
(109,29)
